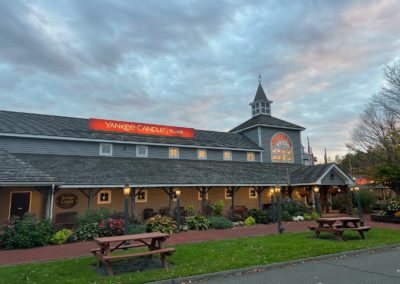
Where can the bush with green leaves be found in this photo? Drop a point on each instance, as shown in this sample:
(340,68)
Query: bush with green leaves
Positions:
(367,200)
(286,217)
(112,227)
(294,207)
(197,222)
(261,216)
(250,221)
(88,231)
(190,210)
(339,202)
(220,222)
(137,229)
(234,217)
(61,237)
(163,224)
(26,232)
(218,208)
(93,216)
(311,216)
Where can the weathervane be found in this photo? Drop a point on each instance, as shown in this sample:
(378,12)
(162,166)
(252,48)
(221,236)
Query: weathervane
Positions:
(259,78)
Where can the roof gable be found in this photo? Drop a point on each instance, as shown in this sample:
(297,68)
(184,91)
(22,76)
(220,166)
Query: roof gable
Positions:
(267,121)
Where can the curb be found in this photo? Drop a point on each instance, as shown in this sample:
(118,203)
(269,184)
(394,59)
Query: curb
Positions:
(261,268)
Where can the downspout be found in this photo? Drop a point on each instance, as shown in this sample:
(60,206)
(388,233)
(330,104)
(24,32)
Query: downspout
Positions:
(51,202)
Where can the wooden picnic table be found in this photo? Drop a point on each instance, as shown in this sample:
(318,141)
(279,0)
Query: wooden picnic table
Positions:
(153,241)
(338,225)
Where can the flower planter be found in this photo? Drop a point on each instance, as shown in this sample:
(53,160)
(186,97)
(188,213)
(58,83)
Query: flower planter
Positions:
(385,219)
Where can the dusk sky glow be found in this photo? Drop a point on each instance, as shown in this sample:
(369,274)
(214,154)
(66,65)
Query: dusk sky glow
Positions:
(196,63)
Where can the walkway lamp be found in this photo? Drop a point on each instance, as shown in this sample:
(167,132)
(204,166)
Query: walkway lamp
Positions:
(178,209)
(316,197)
(356,192)
(279,209)
(273,213)
(127,192)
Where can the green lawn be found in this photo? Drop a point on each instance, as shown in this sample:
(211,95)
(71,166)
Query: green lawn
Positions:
(199,258)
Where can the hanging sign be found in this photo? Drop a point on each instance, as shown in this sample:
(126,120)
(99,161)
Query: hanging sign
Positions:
(140,128)
(66,200)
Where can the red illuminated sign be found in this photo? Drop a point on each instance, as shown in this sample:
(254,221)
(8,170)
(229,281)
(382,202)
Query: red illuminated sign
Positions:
(140,128)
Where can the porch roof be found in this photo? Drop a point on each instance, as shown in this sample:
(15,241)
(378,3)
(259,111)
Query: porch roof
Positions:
(80,171)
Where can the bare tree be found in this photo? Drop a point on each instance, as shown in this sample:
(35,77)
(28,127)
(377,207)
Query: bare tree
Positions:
(390,94)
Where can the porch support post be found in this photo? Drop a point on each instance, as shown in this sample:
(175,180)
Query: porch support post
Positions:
(203,190)
(233,190)
(48,203)
(133,203)
(90,198)
(170,192)
(259,190)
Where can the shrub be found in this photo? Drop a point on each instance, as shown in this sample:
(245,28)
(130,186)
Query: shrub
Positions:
(367,200)
(190,210)
(87,231)
(197,222)
(137,229)
(286,216)
(111,227)
(250,221)
(61,237)
(26,232)
(92,216)
(218,208)
(339,202)
(260,216)
(236,217)
(219,222)
(294,208)
(163,224)
(311,216)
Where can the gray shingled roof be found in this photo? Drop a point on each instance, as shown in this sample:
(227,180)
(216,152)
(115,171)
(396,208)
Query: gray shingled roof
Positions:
(266,120)
(17,171)
(60,126)
(78,170)
(260,94)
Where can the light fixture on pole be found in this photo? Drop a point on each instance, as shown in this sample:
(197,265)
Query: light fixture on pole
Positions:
(357,196)
(127,192)
(273,213)
(178,209)
(278,208)
(316,197)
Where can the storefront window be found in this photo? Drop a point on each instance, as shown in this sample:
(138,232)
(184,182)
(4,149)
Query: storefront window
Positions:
(104,197)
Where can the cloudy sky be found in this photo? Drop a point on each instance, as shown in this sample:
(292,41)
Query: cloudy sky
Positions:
(196,63)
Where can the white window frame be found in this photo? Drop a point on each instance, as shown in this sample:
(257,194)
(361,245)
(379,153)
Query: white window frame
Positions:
(254,156)
(146,154)
(199,196)
(255,196)
(145,196)
(109,196)
(198,154)
(226,194)
(223,155)
(101,153)
(169,152)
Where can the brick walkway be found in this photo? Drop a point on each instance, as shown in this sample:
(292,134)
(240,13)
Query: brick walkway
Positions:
(8,257)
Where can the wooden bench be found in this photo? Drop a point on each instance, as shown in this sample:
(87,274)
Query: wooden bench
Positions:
(106,259)
(338,232)
(361,230)
(240,210)
(119,247)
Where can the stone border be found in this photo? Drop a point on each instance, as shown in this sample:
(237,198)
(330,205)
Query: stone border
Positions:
(261,268)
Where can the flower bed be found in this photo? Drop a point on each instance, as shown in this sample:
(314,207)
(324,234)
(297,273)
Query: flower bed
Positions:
(385,219)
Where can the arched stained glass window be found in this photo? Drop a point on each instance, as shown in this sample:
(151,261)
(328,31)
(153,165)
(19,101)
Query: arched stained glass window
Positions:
(281,148)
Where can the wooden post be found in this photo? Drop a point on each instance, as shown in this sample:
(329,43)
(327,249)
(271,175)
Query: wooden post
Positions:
(170,192)
(90,198)
(133,203)
(233,190)
(48,203)
(259,190)
(203,194)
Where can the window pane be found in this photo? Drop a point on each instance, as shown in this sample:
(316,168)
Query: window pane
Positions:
(202,154)
(227,155)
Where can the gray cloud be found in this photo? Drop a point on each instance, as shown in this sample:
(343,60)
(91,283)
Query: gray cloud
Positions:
(195,63)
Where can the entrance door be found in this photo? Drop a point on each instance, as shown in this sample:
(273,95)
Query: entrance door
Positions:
(20,202)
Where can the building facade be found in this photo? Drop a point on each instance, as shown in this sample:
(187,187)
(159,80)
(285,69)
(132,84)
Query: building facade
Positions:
(59,166)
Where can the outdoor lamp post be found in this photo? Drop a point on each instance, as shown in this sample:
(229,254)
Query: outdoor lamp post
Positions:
(357,195)
(316,197)
(271,191)
(278,208)
(178,209)
(127,191)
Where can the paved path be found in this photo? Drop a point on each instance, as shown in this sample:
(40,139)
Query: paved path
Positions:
(8,257)
(372,267)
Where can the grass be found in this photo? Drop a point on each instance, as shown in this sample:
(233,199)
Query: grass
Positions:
(199,258)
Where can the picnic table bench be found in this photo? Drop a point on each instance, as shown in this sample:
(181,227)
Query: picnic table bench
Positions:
(346,224)
(153,241)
